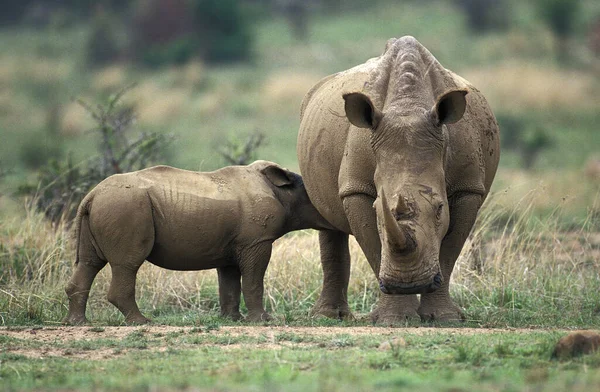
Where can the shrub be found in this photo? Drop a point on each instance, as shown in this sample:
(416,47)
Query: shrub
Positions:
(560,17)
(528,140)
(63,183)
(174,31)
(483,15)
(102,45)
(236,151)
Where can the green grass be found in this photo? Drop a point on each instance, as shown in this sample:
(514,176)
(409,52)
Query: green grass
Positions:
(437,361)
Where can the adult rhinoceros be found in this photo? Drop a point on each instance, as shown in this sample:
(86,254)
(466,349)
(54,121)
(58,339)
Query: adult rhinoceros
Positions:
(401,153)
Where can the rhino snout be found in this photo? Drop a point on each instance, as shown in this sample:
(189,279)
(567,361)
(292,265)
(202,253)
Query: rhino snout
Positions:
(430,285)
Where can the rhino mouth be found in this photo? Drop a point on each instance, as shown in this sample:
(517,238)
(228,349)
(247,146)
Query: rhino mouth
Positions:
(404,289)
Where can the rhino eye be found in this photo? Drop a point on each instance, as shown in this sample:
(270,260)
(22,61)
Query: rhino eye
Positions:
(440,209)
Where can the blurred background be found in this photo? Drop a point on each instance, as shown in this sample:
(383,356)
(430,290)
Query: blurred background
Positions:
(92,88)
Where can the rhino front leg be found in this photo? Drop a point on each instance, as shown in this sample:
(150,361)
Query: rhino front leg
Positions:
(463,211)
(230,288)
(253,265)
(335,260)
(391,309)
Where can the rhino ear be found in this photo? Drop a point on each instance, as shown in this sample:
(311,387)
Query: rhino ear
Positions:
(360,111)
(450,107)
(277,175)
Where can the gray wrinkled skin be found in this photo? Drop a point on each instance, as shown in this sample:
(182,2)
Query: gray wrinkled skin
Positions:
(401,153)
(185,220)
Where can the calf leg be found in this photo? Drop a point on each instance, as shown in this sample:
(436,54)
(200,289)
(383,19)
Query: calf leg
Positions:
(87,266)
(229,291)
(253,263)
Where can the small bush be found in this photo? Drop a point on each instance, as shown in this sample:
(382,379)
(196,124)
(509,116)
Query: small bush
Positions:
(484,15)
(63,183)
(174,31)
(236,151)
(102,45)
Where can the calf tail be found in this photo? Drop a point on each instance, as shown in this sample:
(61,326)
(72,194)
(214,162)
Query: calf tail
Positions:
(82,211)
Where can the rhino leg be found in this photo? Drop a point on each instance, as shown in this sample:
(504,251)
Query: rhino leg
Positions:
(122,292)
(395,309)
(391,309)
(253,264)
(335,260)
(229,291)
(463,211)
(87,267)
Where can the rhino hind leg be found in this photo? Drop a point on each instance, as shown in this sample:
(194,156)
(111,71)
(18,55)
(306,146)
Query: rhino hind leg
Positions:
(229,291)
(122,292)
(86,268)
(438,306)
(335,260)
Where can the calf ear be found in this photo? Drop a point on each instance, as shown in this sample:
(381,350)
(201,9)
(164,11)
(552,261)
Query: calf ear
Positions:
(277,175)
(450,107)
(360,111)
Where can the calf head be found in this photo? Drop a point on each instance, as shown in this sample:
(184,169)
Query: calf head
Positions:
(289,190)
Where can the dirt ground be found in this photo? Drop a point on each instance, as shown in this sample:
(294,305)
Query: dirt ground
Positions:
(51,341)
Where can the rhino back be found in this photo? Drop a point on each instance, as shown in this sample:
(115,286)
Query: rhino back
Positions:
(323,136)
(474,147)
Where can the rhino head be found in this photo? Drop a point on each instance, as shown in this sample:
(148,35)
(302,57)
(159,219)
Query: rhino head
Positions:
(409,141)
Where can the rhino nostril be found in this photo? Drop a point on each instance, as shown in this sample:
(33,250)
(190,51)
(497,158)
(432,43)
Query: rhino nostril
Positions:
(438,280)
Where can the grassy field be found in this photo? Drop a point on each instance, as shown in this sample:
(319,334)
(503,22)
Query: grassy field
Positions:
(289,359)
(529,272)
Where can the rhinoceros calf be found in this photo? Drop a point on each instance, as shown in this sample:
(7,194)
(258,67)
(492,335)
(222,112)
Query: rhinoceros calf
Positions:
(185,220)
(401,153)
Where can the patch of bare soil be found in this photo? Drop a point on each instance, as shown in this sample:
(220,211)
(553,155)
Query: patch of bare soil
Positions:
(55,341)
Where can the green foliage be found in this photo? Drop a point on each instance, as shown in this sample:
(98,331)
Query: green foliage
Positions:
(559,15)
(484,15)
(223,30)
(172,32)
(62,184)
(527,139)
(102,45)
(238,151)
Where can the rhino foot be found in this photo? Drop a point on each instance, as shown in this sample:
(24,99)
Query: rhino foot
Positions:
(393,316)
(442,312)
(395,309)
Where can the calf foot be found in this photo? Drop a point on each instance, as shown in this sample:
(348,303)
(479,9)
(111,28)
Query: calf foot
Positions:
(137,320)
(339,311)
(258,317)
(73,319)
(395,309)
(235,316)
